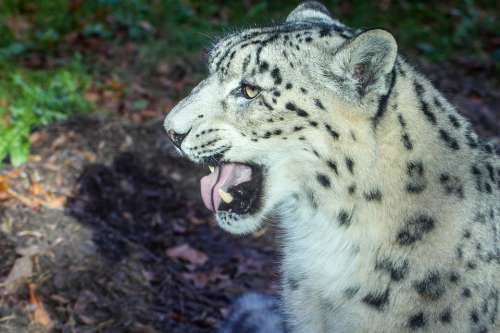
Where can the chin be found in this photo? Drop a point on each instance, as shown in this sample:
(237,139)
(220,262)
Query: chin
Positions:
(239,224)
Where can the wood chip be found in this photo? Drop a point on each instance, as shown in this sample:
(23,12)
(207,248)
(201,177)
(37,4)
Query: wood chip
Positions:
(39,315)
(187,253)
(20,272)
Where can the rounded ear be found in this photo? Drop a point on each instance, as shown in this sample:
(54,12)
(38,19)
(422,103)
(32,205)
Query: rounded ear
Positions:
(310,11)
(361,65)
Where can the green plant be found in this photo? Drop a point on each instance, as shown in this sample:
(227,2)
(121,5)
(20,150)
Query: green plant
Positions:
(33,98)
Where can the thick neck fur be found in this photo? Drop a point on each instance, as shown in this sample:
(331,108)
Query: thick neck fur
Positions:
(396,195)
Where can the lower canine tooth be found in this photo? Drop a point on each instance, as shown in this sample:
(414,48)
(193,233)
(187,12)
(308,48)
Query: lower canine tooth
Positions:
(226,197)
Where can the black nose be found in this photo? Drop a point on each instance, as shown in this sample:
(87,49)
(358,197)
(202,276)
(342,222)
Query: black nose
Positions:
(177,138)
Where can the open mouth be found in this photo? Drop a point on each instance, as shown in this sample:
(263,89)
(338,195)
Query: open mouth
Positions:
(232,187)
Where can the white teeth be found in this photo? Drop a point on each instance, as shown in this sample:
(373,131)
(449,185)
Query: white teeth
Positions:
(211,168)
(226,197)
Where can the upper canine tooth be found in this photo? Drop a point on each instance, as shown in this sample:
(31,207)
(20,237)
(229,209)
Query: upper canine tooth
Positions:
(226,197)
(211,168)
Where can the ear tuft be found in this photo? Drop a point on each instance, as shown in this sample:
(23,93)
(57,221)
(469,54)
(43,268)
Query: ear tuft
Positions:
(310,11)
(365,61)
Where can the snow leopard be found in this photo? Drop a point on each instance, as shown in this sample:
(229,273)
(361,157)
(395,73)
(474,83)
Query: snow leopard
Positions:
(386,201)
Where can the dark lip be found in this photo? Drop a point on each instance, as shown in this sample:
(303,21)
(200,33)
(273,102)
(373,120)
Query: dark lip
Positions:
(215,159)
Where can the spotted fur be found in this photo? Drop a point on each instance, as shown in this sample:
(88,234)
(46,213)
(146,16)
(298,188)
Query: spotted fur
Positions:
(388,202)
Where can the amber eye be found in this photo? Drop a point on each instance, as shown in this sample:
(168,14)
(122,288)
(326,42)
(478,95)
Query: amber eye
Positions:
(249,92)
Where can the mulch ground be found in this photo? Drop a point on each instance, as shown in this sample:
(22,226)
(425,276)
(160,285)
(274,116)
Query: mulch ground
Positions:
(131,249)
(103,229)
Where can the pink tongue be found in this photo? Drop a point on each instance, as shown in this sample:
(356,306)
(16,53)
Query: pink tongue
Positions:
(224,177)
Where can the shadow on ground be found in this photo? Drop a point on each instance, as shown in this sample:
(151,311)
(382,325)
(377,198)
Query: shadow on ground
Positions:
(105,261)
(136,217)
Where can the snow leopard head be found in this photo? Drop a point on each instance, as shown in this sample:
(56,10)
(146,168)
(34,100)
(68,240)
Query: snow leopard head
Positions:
(282,110)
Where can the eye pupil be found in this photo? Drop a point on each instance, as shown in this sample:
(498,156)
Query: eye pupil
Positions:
(249,92)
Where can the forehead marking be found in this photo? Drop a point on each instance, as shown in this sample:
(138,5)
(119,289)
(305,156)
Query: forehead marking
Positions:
(244,42)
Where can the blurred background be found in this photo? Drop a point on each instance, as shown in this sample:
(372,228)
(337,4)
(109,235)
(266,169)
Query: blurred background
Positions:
(101,225)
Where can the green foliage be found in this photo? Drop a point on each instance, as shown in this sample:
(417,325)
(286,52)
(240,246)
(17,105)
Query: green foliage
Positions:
(436,28)
(33,98)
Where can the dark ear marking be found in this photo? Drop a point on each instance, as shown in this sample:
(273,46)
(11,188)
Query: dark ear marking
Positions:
(382,103)
(451,142)
(405,138)
(419,89)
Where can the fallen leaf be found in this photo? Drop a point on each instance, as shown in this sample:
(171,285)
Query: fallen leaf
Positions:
(59,299)
(59,142)
(14,173)
(4,189)
(187,253)
(36,188)
(34,158)
(32,203)
(22,269)
(20,272)
(30,233)
(39,315)
(86,319)
(89,156)
(36,137)
(54,202)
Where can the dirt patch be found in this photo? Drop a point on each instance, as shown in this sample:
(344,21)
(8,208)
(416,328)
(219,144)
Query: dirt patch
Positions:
(106,262)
